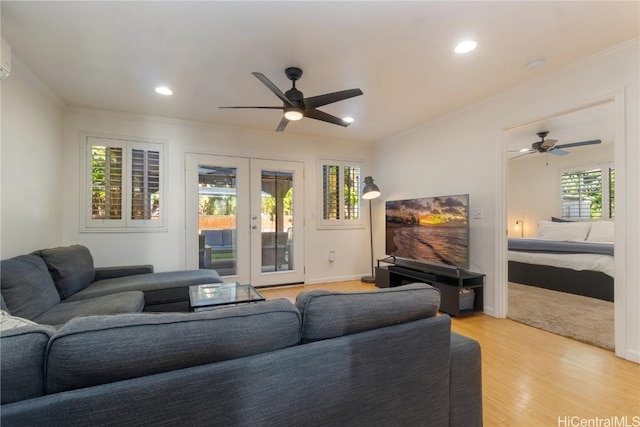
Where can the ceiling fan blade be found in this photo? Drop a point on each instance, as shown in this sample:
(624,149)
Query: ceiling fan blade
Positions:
(283,124)
(522,155)
(578,144)
(324,117)
(273,88)
(268,108)
(558,152)
(521,150)
(329,98)
(548,143)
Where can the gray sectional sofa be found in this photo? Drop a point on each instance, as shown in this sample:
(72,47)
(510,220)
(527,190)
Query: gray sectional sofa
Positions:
(53,286)
(379,358)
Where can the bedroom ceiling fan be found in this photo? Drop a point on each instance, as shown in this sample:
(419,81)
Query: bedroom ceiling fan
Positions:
(549,146)
(296,106)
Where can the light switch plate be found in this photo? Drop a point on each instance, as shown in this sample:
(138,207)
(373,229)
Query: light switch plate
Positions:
(477,213)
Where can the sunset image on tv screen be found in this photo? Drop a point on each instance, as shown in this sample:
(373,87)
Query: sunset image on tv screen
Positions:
(431,229)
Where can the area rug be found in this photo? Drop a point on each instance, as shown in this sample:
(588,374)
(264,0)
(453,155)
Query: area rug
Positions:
(584,319)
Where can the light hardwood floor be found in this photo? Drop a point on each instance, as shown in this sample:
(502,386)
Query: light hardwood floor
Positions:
(535,378)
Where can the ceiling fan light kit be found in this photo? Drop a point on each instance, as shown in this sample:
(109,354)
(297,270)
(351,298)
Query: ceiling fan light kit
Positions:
(295,106)
(293,114)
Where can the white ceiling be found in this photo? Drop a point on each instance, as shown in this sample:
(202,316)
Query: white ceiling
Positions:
(111,55)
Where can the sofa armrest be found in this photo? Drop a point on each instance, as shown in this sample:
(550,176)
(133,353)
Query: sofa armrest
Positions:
(465,382)
(104,273)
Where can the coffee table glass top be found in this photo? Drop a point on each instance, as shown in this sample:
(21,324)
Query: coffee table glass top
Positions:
(218,294)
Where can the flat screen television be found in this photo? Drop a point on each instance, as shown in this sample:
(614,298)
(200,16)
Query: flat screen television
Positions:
(433,230)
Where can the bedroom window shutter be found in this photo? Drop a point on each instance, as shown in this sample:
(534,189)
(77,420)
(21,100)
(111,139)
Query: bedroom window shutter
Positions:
(612,187)
(588,194)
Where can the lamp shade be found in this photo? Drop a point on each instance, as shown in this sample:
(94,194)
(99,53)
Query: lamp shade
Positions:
(370,190)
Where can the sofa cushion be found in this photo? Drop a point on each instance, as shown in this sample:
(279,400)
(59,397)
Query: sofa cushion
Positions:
(149,282)
(27,287)
(331,314)
(23,352)
(119,303)
(102,349)
(71,268)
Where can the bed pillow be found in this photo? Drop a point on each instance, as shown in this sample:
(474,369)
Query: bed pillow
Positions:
(563,231)
(556,219)
(601,231)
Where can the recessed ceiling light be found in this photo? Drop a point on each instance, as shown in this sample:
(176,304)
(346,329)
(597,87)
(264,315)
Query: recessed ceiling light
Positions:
(163,90)
(348,119)
(465,46)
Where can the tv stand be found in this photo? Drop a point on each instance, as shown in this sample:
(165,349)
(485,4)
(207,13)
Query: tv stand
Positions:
(457,286)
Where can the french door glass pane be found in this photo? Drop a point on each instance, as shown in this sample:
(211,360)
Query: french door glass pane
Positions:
(217,219)
(277,221)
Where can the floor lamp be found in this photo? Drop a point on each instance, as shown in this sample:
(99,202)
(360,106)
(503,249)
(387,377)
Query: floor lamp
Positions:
(369,192)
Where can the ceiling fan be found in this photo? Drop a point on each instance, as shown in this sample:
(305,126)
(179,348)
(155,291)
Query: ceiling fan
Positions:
(549,146)
(296,106)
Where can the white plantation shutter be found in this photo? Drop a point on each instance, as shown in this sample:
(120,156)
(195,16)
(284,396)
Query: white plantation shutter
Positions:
(145,183)
(330,192)
(340,194)
(588,193)
(125,185)
(106,182)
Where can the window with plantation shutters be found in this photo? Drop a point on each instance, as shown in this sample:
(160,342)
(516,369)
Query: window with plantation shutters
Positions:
(124,182)
(145,184)
(340,194)
(106,182)
(588,194)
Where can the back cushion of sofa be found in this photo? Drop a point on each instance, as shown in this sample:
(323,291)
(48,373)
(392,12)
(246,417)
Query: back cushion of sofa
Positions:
(23,346)
(332,314)
(27,287)
(71,268)
(95,350)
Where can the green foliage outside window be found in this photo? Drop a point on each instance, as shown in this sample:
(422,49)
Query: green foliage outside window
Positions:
(583,192)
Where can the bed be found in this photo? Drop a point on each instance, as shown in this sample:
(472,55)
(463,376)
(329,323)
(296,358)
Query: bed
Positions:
(577,259)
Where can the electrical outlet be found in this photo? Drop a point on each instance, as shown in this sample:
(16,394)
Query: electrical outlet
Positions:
(332,256)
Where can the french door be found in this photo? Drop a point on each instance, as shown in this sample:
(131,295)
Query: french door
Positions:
(244,218)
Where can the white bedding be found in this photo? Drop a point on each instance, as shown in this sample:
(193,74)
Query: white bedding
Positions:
(603,263)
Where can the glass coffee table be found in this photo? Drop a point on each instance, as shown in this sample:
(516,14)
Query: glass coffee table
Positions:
(213,295)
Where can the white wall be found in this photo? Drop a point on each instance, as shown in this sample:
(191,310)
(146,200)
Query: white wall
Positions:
(534,184)
(460,153)
(465,153)
(166,249)
(31,164)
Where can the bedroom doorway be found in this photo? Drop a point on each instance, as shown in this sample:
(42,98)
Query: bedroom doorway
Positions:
(535,195)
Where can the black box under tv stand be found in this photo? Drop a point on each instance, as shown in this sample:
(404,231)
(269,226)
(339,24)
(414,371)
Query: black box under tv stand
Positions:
(449,280)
